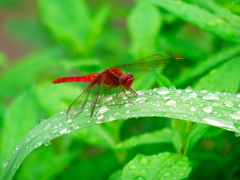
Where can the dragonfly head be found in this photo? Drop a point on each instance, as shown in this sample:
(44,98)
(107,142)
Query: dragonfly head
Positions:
(126,79)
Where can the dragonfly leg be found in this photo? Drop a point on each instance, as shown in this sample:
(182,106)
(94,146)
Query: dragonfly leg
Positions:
(117,97)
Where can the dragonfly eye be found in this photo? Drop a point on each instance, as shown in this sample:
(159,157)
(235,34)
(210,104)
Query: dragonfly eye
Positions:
(126,79)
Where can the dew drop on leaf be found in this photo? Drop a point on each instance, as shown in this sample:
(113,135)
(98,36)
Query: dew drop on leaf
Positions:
(228,103)
(211,96)
(188,89)
(207,109)
(163,91)
(144,161)
(171,103)
(235,115)
(193,95)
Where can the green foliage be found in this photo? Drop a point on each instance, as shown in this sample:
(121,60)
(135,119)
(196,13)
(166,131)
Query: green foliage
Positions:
(81,37)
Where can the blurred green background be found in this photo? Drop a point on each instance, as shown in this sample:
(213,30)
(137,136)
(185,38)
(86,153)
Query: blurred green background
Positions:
(46,39)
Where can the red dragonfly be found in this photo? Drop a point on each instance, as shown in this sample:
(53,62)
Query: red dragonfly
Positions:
(121,76)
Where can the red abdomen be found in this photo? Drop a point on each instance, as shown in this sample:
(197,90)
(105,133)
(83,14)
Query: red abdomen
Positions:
(87,78)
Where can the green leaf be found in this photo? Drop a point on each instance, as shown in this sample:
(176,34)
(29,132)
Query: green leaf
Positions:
(225,77)
(15,126)
(202,18)
(97,136)
(15,78)
(29,31)
(98,23)
(117,175)
(69,22)
(43,169)
(195,135)
(3,59)
(213,108)
(203,67)
(164,135)
(162,166)
(143,23)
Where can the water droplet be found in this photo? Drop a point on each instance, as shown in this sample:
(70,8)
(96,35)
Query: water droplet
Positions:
(102,110)
(193,109)
(167,174)
(204,91)
(144,161)
(128,104)
(98,122)
(38,144)
(207,109)
(163,91)
(64,131)
(166,97)
(185,97)
(61,112)
(181,174)
(171,103)
(141,99)
(193,95)
(100,117)
(179,91)
(69,121)
(117,113)
(238,95)
(6,162)
(132,167)
(235,115)
(111,118)
(216,104)
(127,111)
(173,88)
(228,103)
(109,98)
(140,93)
(16,166)
(15,149)
(214,121)
(188,89)
(211,96)
(47,126)
(47,143)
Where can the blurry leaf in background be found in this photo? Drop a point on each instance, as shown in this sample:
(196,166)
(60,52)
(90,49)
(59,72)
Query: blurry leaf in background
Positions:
(30,32)
(144,24)
(201,68)
(3,60)
(202,18)
(59,160)
(56,97)
(98,21)
(161,136)
(224,78)
(69,23)
(97,136)
(26,70)
(8,4)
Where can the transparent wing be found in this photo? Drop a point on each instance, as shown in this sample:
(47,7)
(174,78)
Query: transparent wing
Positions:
(97,92)
(151,63)
(79,103)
